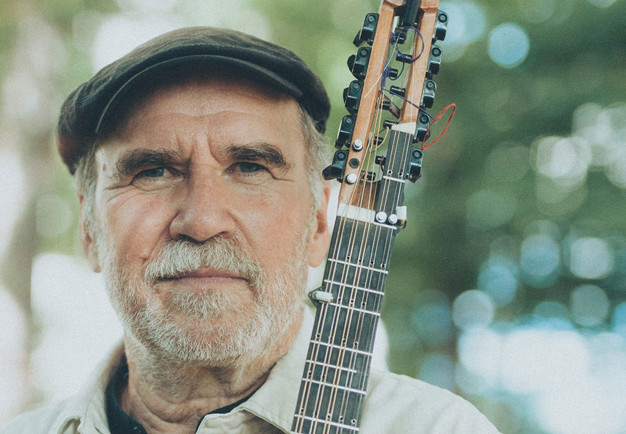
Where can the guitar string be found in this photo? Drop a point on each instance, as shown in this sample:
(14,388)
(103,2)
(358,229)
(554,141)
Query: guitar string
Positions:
(366,295)
(339,324)
(341,291)
(384,194)
(364,242)
(323,317)
(387,186)
(375,248)
(350,312)
(342,282)
(350,301)
(348,318)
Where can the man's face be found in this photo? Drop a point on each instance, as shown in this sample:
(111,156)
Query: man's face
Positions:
(204,222)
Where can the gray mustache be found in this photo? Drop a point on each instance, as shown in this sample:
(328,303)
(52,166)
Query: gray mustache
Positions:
(184,256)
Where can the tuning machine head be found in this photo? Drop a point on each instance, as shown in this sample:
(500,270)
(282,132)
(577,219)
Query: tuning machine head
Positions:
(358,62)
(441,26)
(434,61)
(337,167)
(352,96)
(346,128)
(428,94)
(421,130)
(367,32)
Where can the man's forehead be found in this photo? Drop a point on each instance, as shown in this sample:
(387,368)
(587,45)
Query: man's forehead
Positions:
(218,109)
(211,91)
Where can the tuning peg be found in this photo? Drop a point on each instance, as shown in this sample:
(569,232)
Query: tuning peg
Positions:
(352,96)
(344,135)
(398,37)
(441,26)
(423,122)
(403,58)
(428,94)
(358,63)
(397,90)
(337,167)
(387,123)
(435,60)
(367,32)
(392,73)
(415,165)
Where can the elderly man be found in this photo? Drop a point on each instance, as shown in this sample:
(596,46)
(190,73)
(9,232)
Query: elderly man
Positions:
(197,160)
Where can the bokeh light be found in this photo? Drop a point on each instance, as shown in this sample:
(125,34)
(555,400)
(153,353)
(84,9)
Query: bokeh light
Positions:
(540,261)
(508,45)
(591,258)
(498,278)
(472,309)
(432,318)
(589,305)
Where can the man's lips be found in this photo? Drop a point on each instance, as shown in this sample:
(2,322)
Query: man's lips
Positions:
(204,276)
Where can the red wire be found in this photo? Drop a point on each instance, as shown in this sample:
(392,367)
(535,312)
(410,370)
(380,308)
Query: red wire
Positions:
(434,121)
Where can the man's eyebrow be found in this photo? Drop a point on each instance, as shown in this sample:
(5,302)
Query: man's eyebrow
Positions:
(266,152)
(137,159)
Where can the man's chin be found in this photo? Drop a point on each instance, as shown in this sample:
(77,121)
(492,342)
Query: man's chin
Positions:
(216,341)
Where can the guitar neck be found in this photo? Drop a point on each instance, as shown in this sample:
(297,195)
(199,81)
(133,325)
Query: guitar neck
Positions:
(349,304)
(395,43)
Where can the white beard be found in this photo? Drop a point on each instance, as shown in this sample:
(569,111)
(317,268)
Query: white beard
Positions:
(190,327)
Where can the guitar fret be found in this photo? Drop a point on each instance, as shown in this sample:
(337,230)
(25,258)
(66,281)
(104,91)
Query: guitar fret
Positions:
(339,347)
(358,266)
(355,309)
(326,365)
(327,422)
(335,386)
(360,288)
(391,178)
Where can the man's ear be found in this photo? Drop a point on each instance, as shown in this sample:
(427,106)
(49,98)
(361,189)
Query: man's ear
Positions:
(89,244)
(320,231)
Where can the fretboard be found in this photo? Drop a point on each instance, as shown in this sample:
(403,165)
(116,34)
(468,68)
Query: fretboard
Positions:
(348,308)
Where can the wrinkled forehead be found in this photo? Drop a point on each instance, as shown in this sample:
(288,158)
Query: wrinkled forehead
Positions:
(223,88)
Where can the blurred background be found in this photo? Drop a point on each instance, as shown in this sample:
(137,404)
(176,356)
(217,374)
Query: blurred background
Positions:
(508,285)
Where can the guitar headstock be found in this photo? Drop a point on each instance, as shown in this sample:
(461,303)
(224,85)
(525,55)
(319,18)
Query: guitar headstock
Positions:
(394,65)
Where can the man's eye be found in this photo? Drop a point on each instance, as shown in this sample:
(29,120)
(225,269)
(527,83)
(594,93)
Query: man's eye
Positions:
(248,167)
(156,178)
(156,172)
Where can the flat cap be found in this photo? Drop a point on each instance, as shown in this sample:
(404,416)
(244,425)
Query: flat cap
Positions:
(85,111)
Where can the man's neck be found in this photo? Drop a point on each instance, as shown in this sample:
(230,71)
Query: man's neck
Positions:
(172,398)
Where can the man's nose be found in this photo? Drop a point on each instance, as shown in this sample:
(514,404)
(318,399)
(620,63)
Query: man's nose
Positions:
(204,210)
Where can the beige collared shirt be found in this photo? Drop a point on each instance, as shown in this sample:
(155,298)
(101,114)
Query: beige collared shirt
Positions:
(394,404)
